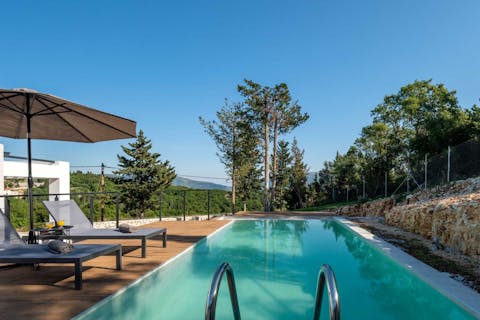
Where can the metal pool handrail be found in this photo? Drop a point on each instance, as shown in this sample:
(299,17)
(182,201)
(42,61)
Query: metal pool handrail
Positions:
(213,292)
(326,274)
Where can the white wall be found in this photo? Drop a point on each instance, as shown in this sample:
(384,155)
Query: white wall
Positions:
(2,180)
(58,174)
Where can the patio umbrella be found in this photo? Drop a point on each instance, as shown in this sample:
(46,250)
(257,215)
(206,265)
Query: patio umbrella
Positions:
(25,113)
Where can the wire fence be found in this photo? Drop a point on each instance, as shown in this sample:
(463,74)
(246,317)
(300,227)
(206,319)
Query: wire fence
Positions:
(454,163)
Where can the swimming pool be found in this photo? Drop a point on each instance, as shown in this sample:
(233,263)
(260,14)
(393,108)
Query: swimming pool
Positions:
(276,264)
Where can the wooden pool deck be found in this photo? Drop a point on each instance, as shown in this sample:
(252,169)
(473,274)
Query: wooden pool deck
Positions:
(49,293)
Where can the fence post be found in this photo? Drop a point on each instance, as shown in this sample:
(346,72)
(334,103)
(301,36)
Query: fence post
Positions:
(386,184)
(117,209)
(363,179)
(347,192)
(448,167)
(91,209)
(160,197)
(208,204)
(184,203)
(426,170)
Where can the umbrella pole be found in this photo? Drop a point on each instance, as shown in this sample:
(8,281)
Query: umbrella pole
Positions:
(30,179)
(29,156)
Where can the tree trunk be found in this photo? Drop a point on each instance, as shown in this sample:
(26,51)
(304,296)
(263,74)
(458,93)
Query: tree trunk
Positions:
(266,206)
(234,183)
(274,164)
(234,164)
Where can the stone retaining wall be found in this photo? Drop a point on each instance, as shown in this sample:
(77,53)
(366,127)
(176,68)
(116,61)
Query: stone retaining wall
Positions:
(455,221)
(449,213)
(375,208)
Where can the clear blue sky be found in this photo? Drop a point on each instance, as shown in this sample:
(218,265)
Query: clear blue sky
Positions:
(164,63)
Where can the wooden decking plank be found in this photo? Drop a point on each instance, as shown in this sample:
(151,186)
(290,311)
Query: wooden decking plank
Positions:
(49,292)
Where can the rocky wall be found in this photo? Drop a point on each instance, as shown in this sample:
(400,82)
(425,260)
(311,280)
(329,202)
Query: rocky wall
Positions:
(376,208)
(448,213)
(454,220)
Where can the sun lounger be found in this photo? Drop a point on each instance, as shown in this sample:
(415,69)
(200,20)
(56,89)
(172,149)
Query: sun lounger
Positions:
(14,250)
(71,214)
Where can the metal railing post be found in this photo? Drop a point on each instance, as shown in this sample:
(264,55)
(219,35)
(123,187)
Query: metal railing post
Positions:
(91,209)
(117,209)
(7,206)
(160,199)
(184,203)
(208,204)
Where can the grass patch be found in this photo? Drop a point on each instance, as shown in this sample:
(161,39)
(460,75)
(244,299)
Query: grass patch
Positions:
(328,206)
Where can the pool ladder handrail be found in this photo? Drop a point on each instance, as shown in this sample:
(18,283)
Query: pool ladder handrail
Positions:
(211,305)
(326,275)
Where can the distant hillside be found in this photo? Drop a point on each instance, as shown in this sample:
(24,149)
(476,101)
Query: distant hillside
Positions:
(194,184)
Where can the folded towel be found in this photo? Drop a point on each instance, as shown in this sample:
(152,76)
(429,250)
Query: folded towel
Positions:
(58,246)
(126,228)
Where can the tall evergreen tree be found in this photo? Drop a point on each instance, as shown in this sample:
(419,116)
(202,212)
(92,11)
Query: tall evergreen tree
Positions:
(286,117)
(260,99)
(314,191)
(275,114)
(298,179)
(282,177)
(141,175)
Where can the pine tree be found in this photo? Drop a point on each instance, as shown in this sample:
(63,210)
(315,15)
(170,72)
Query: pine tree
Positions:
(260,100)
(141,175)
(298,179)
(286,117)
(282,177)
(274,114)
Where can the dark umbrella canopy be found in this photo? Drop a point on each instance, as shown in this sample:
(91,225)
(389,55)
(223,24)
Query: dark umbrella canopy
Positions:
(27,114)
(53,118)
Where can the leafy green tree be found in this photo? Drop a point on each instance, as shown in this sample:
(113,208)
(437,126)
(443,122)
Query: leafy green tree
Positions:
(141,175)
(426,118)
(249,171)
(236,144)
(298,179)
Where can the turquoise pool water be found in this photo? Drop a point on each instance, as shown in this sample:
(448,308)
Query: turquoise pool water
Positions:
(276,263)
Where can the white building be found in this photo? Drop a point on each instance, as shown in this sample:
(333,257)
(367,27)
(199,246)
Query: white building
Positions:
(57,173)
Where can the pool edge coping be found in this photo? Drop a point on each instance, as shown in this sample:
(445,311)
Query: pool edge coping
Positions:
(120,291)
(456,291)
